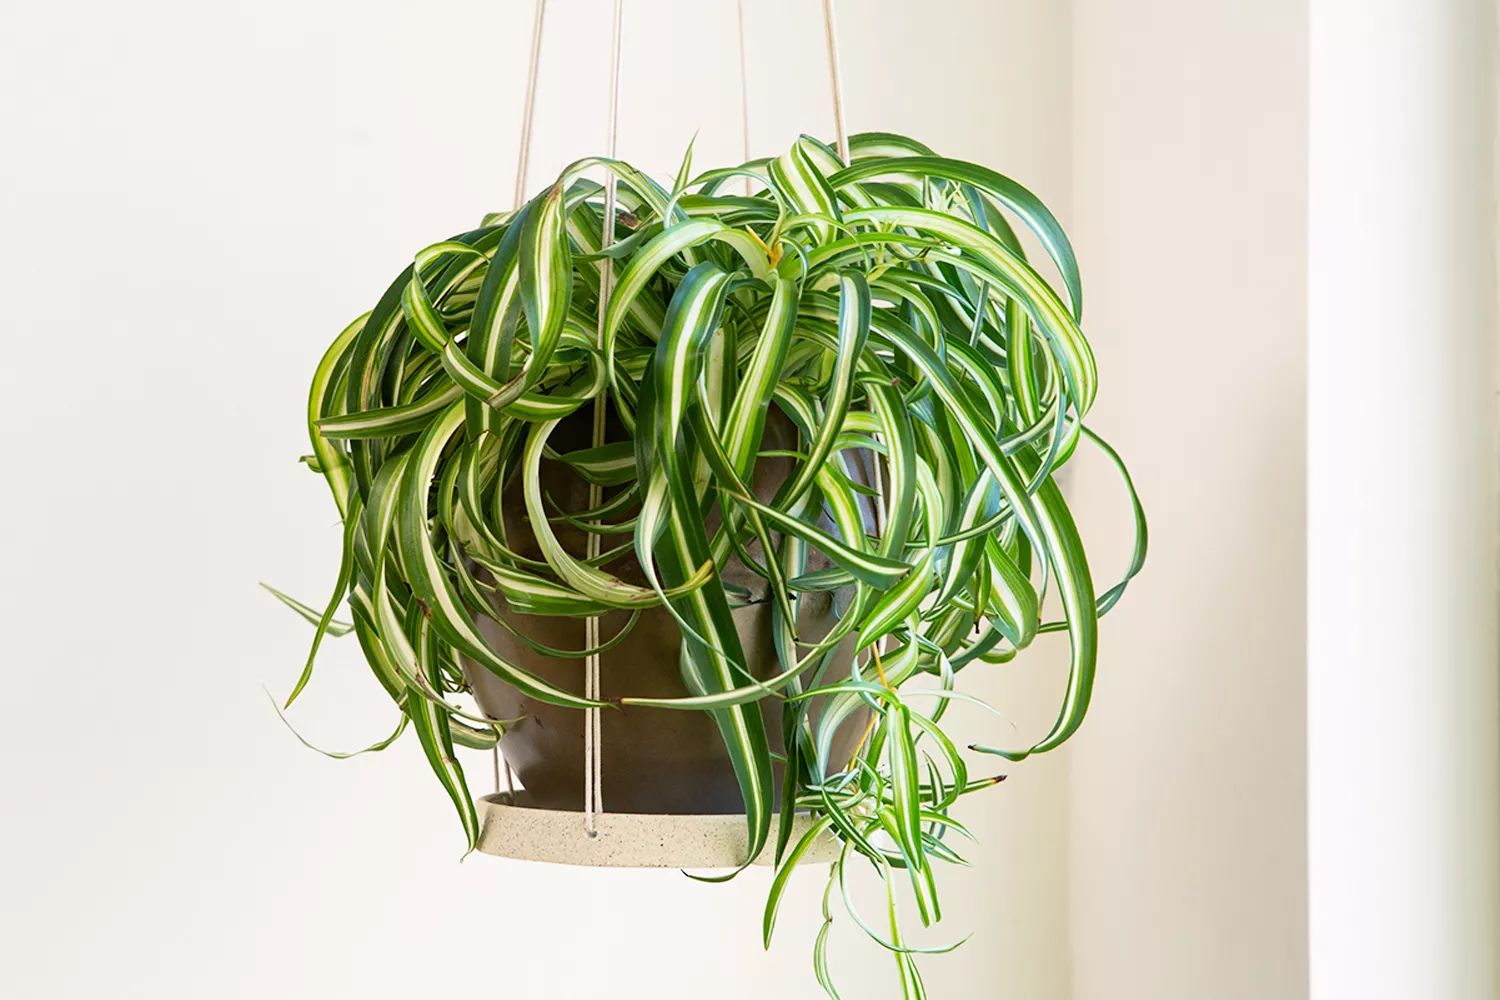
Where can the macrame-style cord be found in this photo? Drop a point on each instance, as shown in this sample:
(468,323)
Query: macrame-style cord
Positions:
(836,82)
(739,16)
(831,30)
(593,775)
(522,166)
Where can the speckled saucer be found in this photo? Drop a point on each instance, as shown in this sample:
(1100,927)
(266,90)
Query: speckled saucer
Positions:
(628,840)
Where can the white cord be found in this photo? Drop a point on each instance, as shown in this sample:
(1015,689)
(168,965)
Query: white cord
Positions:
(593,732)
(739,11)
(523,165)
(531,73)
(830,29)
(831,33)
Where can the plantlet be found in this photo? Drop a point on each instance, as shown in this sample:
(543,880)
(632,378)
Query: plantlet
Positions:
(884,308)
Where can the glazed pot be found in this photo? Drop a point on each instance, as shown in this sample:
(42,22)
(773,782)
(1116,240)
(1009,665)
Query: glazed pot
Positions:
(653,760)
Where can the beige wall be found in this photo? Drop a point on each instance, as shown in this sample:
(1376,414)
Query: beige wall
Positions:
(1188,865)
(176,842)
(174,839)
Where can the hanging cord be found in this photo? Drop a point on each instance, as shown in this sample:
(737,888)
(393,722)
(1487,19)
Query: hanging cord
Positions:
(739,13)
(524,155)
(836,82)
(522,167)
(593,733)
(831,30)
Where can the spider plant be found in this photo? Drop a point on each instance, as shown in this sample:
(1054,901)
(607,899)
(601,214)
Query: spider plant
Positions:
(885,306)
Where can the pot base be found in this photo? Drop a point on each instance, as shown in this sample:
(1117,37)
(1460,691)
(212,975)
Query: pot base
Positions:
(628,840)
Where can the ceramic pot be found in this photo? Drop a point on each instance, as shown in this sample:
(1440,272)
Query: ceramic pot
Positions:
(654,760)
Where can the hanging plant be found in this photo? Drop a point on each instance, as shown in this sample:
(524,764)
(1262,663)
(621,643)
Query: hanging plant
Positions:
(809,451)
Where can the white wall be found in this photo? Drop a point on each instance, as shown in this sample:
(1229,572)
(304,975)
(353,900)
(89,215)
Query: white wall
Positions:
(195,198)
(1404,857)
(1188,872)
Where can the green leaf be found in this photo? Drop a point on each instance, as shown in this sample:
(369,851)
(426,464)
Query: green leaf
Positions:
(876,571)
(332,462)
(431,724)
(902,761)
(375,747)
(335,628)
(804,188)
(1015,197)
(713,661)
(324,621)
(432,585)
(778,884)
(853,329)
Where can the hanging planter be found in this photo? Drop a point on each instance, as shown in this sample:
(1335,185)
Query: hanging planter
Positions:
(671,494)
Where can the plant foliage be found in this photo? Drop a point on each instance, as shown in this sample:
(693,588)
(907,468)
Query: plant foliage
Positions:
(885,307)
